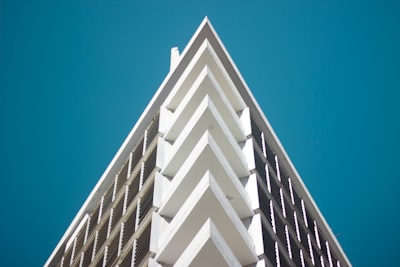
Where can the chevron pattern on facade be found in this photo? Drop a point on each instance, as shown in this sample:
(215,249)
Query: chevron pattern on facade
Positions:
(201,180)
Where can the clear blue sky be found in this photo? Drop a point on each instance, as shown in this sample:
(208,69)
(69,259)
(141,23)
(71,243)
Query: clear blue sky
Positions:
(76,75)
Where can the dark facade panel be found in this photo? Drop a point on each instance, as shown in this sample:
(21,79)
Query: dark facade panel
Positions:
(142,247)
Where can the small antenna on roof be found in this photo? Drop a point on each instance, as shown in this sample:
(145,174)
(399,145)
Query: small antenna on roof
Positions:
(174,58)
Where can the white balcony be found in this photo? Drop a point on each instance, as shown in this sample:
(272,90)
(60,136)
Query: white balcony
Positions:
(206,156)
(205,85)
(205,56)
(208,248)
(206,117)
(207,201)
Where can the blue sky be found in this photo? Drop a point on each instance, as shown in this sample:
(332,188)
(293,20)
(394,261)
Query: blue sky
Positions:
(76,75)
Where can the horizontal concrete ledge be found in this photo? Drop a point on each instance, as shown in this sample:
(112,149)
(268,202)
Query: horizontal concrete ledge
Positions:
(206,156)
(208,248)
(207,201)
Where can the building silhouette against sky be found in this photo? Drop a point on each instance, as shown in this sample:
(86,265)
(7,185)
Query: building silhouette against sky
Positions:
(201,180)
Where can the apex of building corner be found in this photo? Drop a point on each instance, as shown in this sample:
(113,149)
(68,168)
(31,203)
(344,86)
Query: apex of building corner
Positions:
(206,20)
(176,55)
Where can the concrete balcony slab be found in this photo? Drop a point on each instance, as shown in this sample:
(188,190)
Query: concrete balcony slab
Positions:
(205,157)
(205,56)
(205,118)
(205,85)
(207,201)
(208,248)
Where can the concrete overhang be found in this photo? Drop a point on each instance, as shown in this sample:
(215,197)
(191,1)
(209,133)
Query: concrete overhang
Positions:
(206,156)
(208,248)
(207,201)
(205,85)
(205,56)
(205,118)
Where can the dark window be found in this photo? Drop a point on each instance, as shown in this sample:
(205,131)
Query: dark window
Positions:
(133,189)
(127,262)
(297,201)
(323,246)
(280,228)
(307,264)
(117,212)
(68,255)
(143,244)
(100,262)
(93,219)
(290,218)
(152,130)
(269,245)
(264,204)
(87,256)
(334,258)
(270,157)
(310,221)
(303,237)
(256,132)
(112,251)
(146,203)
(80,239)
(285,182)
(102,235)
(150,165)
(275,190)
(288,207)
(315,250)
(136,155)
(324,249)
(260,166)
(122,176)
(107,199)
(283,174)
(295,251)
(283,260)
(129,228)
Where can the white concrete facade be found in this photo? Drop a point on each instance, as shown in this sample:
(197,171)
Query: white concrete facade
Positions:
(201,180)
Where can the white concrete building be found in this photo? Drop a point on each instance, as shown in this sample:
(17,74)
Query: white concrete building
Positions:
(201,180)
